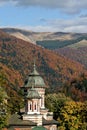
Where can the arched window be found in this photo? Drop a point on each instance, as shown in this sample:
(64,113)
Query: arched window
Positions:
(25,90)
(30,107)
(35,106)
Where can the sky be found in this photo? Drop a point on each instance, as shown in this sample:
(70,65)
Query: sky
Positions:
(44,15)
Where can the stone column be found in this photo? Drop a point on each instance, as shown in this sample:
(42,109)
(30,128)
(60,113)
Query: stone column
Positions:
(42,105)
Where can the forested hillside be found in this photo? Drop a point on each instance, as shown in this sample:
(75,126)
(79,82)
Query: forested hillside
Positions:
(76,52)
(56,44)
(60,74)
(58,41)
(19,55)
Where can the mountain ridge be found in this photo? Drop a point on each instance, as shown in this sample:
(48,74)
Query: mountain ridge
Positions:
(36,36)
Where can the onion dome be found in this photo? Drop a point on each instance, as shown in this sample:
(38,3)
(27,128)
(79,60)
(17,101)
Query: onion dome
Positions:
(34,78)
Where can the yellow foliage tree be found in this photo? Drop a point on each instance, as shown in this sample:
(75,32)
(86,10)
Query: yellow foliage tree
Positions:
(71,117)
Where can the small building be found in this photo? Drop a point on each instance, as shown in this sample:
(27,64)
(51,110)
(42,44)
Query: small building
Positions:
(36,116)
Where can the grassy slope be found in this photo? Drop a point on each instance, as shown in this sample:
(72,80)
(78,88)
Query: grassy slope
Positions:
(41,36)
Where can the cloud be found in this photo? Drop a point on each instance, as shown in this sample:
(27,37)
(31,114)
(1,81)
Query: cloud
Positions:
(3,2)
(83,15)
(66,6)
(78,25)
(43,20)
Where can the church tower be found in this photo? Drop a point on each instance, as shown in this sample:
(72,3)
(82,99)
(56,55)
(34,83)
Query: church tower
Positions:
(37,82)
(34,91)
(35,111)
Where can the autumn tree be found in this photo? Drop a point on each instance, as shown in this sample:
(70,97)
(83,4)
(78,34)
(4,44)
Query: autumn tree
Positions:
(72,115)
(77,88)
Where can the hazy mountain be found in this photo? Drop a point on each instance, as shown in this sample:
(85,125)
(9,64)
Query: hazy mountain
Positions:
(38,36)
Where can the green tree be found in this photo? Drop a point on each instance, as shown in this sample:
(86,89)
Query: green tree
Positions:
(55,102)
(3,108)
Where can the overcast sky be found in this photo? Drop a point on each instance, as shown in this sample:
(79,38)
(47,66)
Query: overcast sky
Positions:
(44,15)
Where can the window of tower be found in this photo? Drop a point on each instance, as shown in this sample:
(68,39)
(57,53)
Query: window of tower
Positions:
(30,107)
(35,107)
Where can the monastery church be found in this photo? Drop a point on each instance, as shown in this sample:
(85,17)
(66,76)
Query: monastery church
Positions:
(36,116)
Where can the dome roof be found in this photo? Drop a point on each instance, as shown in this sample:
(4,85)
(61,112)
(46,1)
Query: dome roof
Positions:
(34,79)
(32,94)
(39,128)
